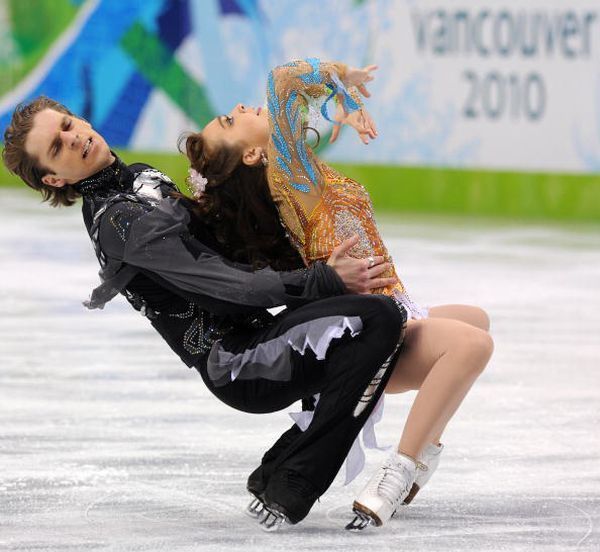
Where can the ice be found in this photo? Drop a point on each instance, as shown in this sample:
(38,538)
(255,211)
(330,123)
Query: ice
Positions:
(108,442)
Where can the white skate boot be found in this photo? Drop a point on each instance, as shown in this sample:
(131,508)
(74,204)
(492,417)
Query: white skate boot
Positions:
(429,460)
(385,492)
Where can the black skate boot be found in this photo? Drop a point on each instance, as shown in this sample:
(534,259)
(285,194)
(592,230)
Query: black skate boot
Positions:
(287,500)
(258,479)
(256,485)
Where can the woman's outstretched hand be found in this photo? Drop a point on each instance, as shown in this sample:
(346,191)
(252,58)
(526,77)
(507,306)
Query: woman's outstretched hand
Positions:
(358,77)
(359,275)
(360,120)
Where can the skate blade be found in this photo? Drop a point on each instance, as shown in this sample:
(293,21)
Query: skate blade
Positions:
(255,508)
(271,520)
(413,492)
(363,517)
(359,523)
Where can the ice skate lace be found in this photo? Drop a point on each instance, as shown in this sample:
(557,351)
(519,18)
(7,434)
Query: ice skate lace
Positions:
(394,482)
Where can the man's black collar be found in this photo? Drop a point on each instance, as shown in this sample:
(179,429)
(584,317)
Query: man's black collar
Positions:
(115,178)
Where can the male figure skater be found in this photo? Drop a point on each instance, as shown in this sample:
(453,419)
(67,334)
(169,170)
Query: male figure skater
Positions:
(213,313)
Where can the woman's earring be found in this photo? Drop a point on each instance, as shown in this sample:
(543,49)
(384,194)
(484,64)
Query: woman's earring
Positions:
(263,158)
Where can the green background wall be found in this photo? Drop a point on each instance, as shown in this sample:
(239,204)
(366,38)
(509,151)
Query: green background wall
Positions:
(441,191)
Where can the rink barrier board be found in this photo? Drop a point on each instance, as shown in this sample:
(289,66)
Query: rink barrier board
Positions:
(442,190)
(494,193)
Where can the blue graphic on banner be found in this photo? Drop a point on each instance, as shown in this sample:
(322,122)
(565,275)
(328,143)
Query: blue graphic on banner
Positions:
(218,53)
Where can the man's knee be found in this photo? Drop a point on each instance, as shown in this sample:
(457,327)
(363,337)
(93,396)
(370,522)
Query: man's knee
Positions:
(385,317)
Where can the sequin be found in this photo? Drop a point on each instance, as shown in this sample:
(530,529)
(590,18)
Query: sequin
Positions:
(345,210)
(345,226)
(304,159)
(312,77)
(284,166)
(193,339)
(304,188)
(272,99)
(121,220)
(280,143)
(318,207)
(121,226)
(201,334)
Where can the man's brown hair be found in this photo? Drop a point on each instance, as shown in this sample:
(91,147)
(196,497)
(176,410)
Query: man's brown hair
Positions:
(25,166)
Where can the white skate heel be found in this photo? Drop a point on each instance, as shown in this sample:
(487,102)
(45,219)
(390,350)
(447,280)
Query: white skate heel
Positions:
(429,460)
(384,493)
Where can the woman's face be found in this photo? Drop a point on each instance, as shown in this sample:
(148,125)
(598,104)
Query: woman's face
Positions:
(245,127)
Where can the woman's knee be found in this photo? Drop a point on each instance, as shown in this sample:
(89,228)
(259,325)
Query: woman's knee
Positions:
(470,314)
(477,345)
(479,318)
(483,319)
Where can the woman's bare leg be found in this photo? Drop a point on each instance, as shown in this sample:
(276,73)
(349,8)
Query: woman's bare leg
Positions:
(442,358)
(474,316)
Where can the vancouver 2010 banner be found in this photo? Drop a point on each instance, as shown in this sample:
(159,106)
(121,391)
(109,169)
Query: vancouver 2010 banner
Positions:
(479,83)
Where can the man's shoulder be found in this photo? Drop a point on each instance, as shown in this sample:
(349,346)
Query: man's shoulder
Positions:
(118,218)
(138,167)
(125,208)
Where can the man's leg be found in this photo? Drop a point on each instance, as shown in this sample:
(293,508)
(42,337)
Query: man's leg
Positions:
(258,479)
(339,369)
(304,471)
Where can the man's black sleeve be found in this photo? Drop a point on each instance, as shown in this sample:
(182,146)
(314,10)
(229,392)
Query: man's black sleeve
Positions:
(156,239)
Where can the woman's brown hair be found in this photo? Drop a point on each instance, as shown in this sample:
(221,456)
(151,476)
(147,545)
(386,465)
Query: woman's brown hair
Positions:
(237,204)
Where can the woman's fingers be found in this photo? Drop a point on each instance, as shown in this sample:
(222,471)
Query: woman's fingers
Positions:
(364,137)
(371,124)
(370,68)
(358,77)
(367,126)
(363,90)
(335,133)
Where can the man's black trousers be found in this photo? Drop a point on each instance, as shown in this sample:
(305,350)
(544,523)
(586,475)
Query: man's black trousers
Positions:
(344,380)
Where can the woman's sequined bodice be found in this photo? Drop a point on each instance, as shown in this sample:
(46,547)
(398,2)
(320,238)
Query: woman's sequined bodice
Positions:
(345,210)
(318,207)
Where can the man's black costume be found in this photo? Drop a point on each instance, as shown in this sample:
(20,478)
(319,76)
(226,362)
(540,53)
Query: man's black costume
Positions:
(212,313)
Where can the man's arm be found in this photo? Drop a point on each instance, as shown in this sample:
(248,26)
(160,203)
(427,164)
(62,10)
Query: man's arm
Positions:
(157,239)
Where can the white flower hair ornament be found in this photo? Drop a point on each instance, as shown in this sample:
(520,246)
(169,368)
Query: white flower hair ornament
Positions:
(196,182)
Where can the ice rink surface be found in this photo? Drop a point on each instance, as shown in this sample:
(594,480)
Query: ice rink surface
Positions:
(108,442)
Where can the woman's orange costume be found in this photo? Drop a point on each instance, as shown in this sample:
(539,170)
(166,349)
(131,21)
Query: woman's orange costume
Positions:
(319,207)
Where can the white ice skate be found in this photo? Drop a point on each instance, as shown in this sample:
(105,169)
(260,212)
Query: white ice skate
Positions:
(385,492)
(429,460)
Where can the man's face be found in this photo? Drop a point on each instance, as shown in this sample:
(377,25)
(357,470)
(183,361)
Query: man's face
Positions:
(68,146)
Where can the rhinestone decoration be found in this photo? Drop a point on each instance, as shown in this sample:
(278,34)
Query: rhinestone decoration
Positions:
(318,207)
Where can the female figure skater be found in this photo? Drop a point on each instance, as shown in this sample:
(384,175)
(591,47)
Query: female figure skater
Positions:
(445,349)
